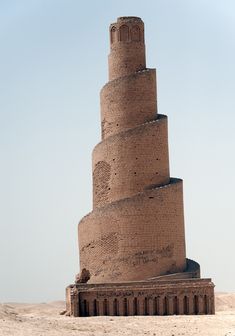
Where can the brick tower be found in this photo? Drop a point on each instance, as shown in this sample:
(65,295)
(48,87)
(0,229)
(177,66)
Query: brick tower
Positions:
(132,245)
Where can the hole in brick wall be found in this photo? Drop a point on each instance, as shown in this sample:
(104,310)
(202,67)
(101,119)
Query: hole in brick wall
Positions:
(165,306)
(85,312)
(146,306)
(117,124)
(195,304)
(136,158)
(135,173)
(157,159)
(115,173)
(135,306)
(108,188)
(113,159)
(205,305)
(185,305)
(155,306)
(156,173)
(176,306)
(95,308)
(125,307)
(151,197)
(115,307)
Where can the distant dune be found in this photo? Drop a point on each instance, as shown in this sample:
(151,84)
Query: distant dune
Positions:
(225,301)
(43,319)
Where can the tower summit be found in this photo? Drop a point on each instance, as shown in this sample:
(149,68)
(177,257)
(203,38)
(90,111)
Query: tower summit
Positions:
(132,245)
(127,54)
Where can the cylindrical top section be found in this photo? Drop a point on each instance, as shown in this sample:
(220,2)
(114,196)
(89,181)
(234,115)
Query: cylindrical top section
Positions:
(127,29)
(127,54)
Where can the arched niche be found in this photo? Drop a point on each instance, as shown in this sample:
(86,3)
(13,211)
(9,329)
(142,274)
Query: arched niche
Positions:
(124,33)
(135,34)
(113,34)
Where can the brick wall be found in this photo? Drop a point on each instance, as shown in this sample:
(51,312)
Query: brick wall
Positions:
(135,160)
(135,238)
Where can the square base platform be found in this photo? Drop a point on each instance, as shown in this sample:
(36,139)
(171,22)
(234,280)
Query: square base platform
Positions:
(161,297)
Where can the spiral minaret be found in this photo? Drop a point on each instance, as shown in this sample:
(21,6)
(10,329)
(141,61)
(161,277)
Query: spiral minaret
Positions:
(136,229)
(137,225)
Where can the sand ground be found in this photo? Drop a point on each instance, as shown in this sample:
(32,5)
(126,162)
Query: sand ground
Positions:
(44,319)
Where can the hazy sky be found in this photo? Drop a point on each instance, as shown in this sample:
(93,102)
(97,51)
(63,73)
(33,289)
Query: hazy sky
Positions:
(53,63)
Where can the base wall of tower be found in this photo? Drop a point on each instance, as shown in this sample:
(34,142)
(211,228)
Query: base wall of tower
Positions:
(175,297)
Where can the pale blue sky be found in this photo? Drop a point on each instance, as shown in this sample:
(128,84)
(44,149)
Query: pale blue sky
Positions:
(53,63)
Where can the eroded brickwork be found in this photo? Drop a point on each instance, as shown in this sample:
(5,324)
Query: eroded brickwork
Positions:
(137,158)
(137,237)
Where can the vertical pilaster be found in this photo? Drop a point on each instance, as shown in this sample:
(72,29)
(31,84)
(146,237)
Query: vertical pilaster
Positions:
(181,304)
(161,304)
(190,304)
(130,304)
(141,306)
(151,306)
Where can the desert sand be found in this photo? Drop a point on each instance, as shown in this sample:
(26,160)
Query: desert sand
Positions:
(43,319)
